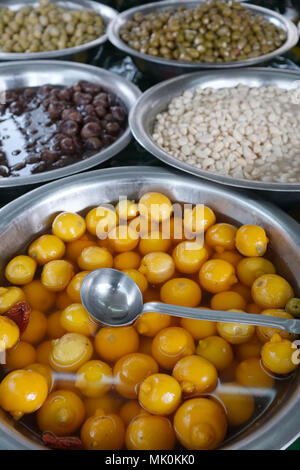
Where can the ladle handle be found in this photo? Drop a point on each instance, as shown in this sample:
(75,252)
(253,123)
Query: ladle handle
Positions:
(291,325)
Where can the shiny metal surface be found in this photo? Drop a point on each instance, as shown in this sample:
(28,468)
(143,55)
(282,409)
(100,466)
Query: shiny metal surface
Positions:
(162,69)
(37,73)
(24,219)
(157,98)
(291,325)
(112,298)
(106,12)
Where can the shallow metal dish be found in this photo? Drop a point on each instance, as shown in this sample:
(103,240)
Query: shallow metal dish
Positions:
(32,214)
(157,98)
(37,73)
(164,68)
(106,12)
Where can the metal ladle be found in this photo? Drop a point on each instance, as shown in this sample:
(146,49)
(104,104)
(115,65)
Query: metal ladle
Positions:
(114,299)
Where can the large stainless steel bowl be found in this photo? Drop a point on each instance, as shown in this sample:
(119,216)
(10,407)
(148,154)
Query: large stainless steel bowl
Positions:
(32,214)
(37,73)
(162,69)
(157,98)
(106,12)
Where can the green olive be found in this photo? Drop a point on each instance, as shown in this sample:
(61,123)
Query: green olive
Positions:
(293,307)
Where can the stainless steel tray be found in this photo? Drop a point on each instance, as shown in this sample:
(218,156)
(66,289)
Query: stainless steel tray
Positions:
(165,68)
(157,98)
(32,214)
(106,12)
(37,73)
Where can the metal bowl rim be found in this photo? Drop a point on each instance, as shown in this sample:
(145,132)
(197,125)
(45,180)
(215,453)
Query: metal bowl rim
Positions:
(19,56)
(289,412)
(115,25)
(94,160)
(148,143)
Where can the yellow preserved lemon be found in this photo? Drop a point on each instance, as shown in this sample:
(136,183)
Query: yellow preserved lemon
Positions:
(251,240)
(126,209)
(249,269)
(271,291)
(238,402)
(221,237)
(20,356)
(38,297)
(250,373)
(103,432)
(198,219)
(160,394)
(94,378)
(200,424)
(101,220)
(189,256)
(73,289)
(20,270)
(9,333)
(95,257)
(228,300)
(23,391)
(155,206)
(181,291)
(130,371)
(170,345)
(47,248)
(113,343)
(68,226)
(70,352)
(155,241)
(127,260)
(148,432)
(57,274)
(122,238)
(130,410)
(195,375)
(109,403)
(217,275)
(75,319)
(157,267)
(62,413)
(36,328)
(149,324)
(236,333)
(278,355)
(216,350)
(45,371)
(138,278)
(199,329)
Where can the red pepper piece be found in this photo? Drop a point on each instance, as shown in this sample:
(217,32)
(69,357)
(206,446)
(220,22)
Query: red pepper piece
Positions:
(20,314)
(61,443)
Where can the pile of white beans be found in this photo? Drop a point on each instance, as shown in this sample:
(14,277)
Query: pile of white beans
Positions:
(242,132)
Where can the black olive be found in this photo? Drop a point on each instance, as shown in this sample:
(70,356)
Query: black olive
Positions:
(91,129)
(69,128)
(82,98)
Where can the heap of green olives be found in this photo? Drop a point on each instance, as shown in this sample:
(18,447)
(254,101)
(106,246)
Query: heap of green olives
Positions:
(47,27)
(213,32)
